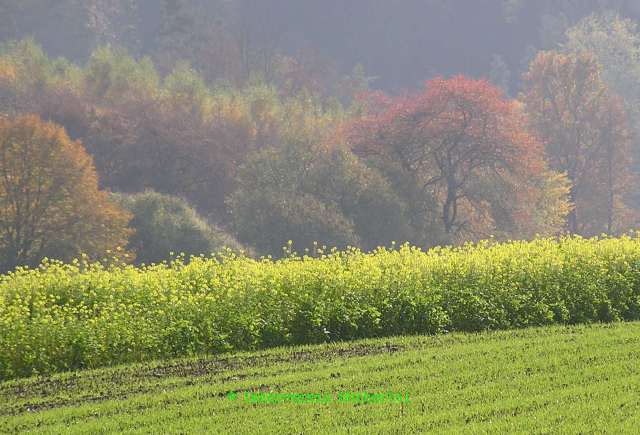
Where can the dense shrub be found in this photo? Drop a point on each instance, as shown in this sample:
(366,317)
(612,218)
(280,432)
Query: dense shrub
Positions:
(164,224)
(62,317)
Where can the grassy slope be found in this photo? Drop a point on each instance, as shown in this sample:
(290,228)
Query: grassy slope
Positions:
(570,379)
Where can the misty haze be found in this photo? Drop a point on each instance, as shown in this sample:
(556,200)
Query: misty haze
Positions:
(319,216)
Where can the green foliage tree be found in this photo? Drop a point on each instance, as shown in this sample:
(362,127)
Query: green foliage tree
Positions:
(309,193)
(164,224)
(112,75)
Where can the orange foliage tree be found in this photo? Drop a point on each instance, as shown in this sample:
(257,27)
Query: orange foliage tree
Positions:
(584,129)
(467,148)
(50,205)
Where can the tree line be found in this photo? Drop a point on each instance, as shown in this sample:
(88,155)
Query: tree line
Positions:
(118,157)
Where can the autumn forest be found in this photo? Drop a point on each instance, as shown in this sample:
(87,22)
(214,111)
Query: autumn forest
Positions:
(182,126)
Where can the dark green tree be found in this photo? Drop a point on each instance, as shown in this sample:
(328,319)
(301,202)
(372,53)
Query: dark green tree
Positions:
(164,224)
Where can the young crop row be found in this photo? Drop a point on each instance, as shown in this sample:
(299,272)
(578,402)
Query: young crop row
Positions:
(67,316)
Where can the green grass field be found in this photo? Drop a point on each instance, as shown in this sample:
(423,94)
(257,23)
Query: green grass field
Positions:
(577,379)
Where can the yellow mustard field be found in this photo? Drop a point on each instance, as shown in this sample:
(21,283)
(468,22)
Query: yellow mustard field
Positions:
(61,317)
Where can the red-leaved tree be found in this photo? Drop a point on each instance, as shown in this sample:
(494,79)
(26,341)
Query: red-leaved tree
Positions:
(468,149)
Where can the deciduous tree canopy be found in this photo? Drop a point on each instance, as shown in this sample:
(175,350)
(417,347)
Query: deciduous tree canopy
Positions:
(584,129)
(50,204)
(250,112)
(468,149)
